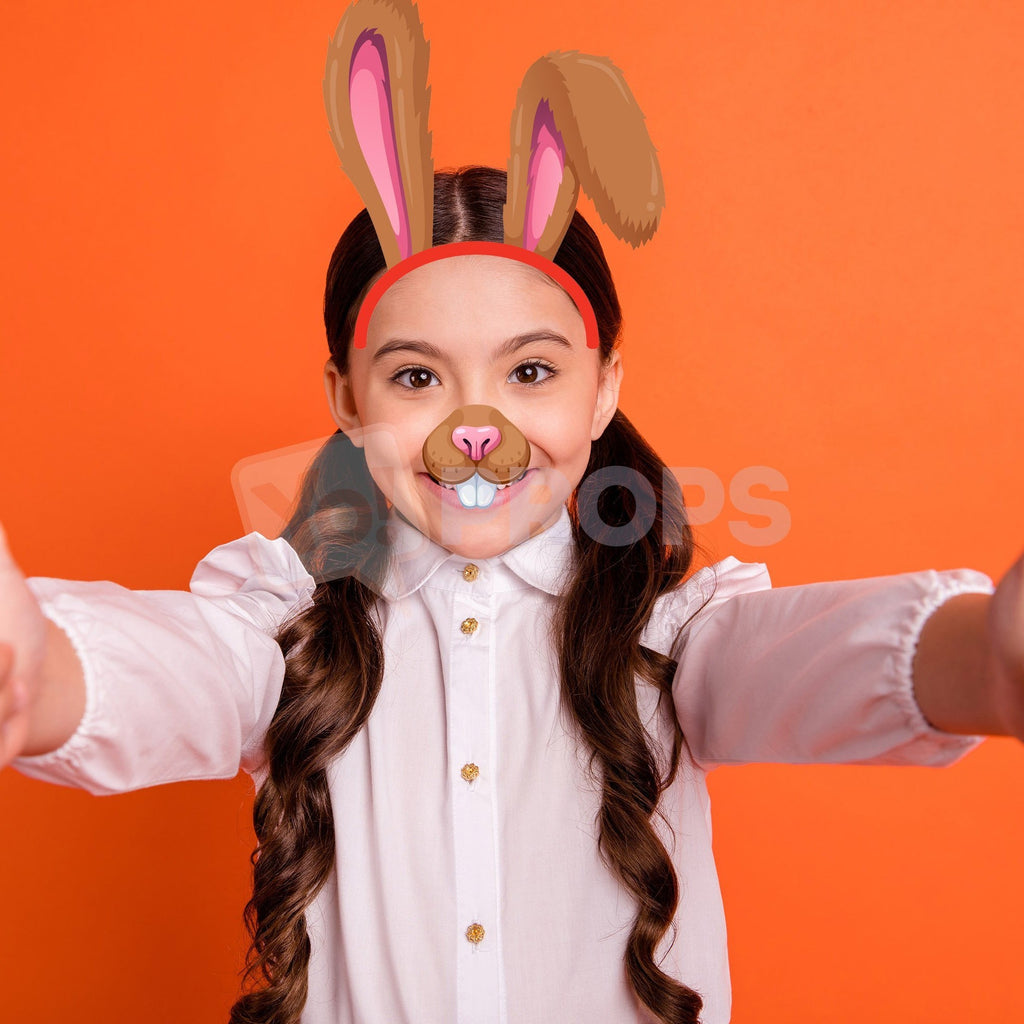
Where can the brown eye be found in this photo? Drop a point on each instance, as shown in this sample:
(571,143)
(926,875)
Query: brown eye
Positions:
(414,378)
(531,373)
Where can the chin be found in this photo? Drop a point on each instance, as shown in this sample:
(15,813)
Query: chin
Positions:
(476,539)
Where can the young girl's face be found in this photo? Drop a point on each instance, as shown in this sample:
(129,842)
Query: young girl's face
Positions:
(475,330)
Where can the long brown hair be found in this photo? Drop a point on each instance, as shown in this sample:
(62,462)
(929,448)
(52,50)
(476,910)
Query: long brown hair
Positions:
(334,654)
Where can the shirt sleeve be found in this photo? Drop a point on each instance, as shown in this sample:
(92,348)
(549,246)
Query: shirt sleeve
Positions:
(819,673)
(179,684)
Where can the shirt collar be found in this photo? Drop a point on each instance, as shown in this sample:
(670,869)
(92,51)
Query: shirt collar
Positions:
(543,560)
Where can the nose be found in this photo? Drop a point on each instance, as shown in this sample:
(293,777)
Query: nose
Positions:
(476,441)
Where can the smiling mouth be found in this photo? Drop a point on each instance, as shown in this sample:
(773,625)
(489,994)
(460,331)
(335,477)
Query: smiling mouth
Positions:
(476,492)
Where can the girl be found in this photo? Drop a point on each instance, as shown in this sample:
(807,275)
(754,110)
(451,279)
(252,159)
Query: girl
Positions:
(408,755)
(379,692)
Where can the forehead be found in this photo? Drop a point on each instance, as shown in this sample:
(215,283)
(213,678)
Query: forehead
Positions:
(476,292)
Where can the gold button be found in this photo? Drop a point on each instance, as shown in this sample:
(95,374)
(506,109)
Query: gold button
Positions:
(469,626)
(470,771)
(475,933)
(470,572)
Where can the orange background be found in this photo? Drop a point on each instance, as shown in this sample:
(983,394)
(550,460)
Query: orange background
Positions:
(834,293)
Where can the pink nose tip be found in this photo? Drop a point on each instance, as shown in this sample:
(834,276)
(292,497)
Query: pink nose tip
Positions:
(476,442)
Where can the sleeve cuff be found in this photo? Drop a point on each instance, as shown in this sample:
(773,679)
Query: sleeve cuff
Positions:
(948,747)
(67,753)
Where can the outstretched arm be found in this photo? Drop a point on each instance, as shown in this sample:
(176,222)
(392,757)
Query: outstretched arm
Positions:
(823,673)
(112,689)
(969,664)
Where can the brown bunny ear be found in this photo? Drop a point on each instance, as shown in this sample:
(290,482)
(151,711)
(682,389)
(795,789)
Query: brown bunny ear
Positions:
(376,95)
(576,124)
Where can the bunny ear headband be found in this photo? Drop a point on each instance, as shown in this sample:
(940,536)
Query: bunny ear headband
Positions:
(575,124)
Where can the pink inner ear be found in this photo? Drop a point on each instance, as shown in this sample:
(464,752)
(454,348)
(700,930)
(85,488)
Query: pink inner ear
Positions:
(543,176)
(370,100)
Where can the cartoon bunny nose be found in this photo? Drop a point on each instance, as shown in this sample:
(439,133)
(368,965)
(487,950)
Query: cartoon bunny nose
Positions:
(476,442)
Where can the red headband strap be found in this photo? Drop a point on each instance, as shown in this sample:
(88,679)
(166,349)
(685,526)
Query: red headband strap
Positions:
(440,252)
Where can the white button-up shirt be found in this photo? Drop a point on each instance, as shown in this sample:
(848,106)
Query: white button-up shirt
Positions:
(468,886)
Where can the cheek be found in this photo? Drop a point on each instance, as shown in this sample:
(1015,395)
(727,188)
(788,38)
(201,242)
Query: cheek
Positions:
(566,444)
(398,427)
(391,441)
(567,426)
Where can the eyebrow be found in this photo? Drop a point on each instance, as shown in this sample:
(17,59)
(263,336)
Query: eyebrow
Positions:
(433,352)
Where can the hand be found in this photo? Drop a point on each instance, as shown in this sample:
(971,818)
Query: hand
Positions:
(23,633)
(1006,643)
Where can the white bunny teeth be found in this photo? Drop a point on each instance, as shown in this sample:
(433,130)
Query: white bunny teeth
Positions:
(476,492)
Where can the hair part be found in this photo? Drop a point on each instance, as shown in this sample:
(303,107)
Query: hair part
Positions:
(334,652)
